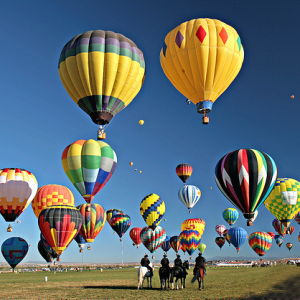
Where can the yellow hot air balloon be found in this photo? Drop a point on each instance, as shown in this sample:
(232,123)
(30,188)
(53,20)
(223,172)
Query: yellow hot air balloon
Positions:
(102,71)
(284,200)
(141,122)
(196,224)
(201,58)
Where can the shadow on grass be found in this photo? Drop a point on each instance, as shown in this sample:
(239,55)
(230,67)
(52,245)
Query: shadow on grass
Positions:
(288,289)
(118,287)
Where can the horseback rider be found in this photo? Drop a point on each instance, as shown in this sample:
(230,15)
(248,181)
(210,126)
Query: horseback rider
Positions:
(178,263)
(145,263)
(165,261)
(200,262)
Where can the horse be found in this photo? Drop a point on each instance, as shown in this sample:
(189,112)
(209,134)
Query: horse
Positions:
(198,275)
(179,273)
(143,272)
(164,275)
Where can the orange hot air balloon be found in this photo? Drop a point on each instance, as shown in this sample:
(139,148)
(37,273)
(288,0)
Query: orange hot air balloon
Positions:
(51,194)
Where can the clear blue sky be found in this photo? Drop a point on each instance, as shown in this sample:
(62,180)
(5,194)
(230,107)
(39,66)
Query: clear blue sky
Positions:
(39,119)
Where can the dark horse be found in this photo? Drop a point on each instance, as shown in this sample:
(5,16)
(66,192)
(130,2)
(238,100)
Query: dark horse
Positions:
(164,275)
(179,273)
(198,275)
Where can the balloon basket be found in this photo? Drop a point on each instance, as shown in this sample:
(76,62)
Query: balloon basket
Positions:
(249,223)
(101,136)
(205,120)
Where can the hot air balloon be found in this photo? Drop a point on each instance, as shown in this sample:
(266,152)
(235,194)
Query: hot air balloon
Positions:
(134,234)
(141,122)
(131,164)
(190,240)
(48,248)
(120,224)
(230,215)
(297,218)
(289,246)
(225,235)
(254,217)
(201,58)
(43,252)
(152,239)
(201,247)
(102,72)
(17,189)
(279,227)
(51,194)
(194,224)
(175,243)
(166,245)
(278,239)
(184,172)
(14,249)
(59,225)
(89,165)
(189,196)
(292,96)
(111,213)
(271,234)
(237,236)
(290,229)
(299,237)
(152,209)
(220,229)
(80,241)
(93,220)
(220,241)
(284,200)
(246,177)
(260,242)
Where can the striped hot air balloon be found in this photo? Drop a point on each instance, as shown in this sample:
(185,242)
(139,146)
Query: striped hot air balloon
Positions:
(279,227)
(175,243)
(120,223)
(196,224)
(189,196)
(166,245)
(260,242)
(220,241)
(152,239)
(184,172)
(190,240)
(111,213)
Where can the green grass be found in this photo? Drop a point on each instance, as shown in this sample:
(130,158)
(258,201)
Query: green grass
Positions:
(220,283)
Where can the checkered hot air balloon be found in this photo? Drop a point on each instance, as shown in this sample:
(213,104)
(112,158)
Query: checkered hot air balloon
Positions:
(14,250)
(152,239)
(184,172)
(166,245)
(102,72)
(189,195)
(51,194)
(89,165)
(17,189)
(152,210)
(93,220)
(246,178)
(120,223)
(190,240)
(260,242)
(175,243)
(284,200)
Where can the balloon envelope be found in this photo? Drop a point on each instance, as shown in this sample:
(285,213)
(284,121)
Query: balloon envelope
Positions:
(175,243)
(230,215)
(246,177)
(196,224)
(289,246)
(201,247)
(184,171)
(43,252)
(134,234)
(80,241)
(260,242)
(102,72)
(152,239)
(111,213)
(220,229)
(279,227)
(89,165)
(220,241)
(120,224)
(14,249)
(189,195)
(190,240)
(278,239)
(166,245)
(237,237)
(17,189)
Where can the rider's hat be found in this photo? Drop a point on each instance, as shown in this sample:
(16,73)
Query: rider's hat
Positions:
(165,254)
(178,255)
(146,255)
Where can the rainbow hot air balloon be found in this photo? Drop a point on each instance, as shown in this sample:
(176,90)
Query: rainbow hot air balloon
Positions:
(279,227)
(111,213)
(59,225)
(278,239)
(89,165)
(184,172)
(120,223)
(246,177)
(220,229)
(260,242)
(134,234)
(152,239)
(166,245)
(190,240)
(220,241)
(201,247)
(17,189)
(230,215)
(284,200)
(237,237)
(175,243)
(271,234)
(189,196)
(289,246)
(201,58)
(152,209)
(102,72)
(51,194)
(196,224)
(14,250)
(93,220)
(80,241)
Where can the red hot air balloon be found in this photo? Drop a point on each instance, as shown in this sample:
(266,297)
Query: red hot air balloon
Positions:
(271,234)
(134,234)
(184,171)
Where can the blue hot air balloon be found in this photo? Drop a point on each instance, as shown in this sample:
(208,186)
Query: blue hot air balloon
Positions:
(166,245)
(237,237)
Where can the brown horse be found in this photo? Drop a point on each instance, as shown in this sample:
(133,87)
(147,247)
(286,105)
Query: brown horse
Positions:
(198,275)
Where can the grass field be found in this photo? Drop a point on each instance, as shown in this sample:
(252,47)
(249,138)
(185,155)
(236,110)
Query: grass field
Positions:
(280,282)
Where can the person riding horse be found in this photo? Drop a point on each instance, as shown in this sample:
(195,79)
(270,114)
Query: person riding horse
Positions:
(178,263)
(145,263)
(200,262)
(165,261)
